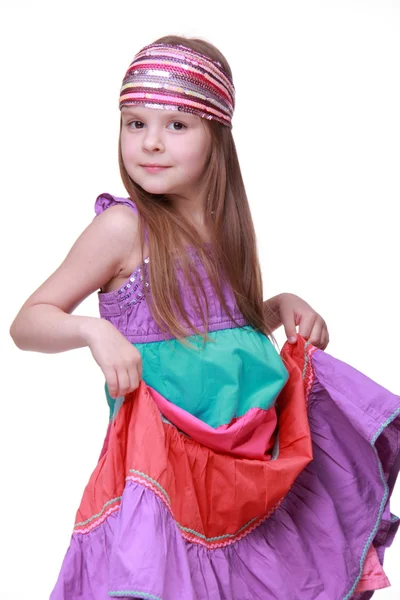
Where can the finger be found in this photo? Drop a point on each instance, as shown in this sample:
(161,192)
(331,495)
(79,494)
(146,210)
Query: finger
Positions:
(135,374)
(140,369)
(316,337)
(325,338)
(112,382)
(123,382)
(289,324)
(133,378)
(306,325)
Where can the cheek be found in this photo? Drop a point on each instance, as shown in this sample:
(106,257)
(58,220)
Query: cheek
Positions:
(124,146)
(194,157)
(128,152)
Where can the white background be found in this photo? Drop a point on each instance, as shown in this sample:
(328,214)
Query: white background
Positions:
(317,131)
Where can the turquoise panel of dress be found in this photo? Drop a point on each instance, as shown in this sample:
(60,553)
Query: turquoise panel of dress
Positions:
(216,383)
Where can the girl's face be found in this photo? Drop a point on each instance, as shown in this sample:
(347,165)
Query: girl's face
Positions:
(177,140)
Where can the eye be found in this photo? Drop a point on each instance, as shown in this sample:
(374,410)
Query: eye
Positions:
(131,123)
(179,123)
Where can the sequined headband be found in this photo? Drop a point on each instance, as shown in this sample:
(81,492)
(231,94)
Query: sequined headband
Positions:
(170,77)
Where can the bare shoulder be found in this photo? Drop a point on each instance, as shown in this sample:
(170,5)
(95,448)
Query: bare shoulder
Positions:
(118,219)
(118,227)
(97,256)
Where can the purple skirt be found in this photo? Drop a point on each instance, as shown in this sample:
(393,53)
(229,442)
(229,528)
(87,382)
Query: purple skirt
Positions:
(314,544)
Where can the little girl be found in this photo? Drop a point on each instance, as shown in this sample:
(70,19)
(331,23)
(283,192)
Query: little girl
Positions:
(229,471)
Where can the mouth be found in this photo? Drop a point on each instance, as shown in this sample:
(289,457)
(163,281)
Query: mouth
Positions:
(154,168)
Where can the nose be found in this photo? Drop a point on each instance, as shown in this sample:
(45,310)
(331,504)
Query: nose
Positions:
(152,140)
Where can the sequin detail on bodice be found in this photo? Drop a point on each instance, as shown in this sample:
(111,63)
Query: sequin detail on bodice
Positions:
(129,294)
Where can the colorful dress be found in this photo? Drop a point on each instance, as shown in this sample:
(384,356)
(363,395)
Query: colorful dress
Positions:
(234,472)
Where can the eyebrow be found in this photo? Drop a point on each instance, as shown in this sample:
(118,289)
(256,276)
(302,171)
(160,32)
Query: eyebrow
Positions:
(171,113)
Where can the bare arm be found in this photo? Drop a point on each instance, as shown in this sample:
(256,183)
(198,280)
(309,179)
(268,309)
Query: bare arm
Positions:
(45,323)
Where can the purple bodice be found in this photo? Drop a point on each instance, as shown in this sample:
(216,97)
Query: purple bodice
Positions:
(127,309)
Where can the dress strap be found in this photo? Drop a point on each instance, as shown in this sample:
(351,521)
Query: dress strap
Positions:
(104,201)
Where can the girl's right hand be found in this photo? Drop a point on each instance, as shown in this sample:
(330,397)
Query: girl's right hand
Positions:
(119,360)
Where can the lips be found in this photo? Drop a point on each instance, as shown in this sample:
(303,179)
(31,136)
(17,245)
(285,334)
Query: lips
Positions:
(154,168)
(154,165)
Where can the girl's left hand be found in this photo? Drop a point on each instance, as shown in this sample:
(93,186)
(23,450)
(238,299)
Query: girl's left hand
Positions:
(294,311)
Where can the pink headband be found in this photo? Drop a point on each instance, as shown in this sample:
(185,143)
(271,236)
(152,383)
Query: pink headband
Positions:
(171,77)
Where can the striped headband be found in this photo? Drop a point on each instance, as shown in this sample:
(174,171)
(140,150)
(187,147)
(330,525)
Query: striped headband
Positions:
(170,77)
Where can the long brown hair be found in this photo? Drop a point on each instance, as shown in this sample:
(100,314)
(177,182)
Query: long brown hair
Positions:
(233,257)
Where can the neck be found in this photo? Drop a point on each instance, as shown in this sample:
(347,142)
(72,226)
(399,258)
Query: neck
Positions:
(193,210)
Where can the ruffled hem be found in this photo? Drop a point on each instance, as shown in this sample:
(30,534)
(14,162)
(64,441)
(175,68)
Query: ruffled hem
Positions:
(140,535)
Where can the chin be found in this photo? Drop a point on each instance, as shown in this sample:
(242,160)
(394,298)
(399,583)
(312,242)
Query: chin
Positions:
(155,190)
(154,187)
